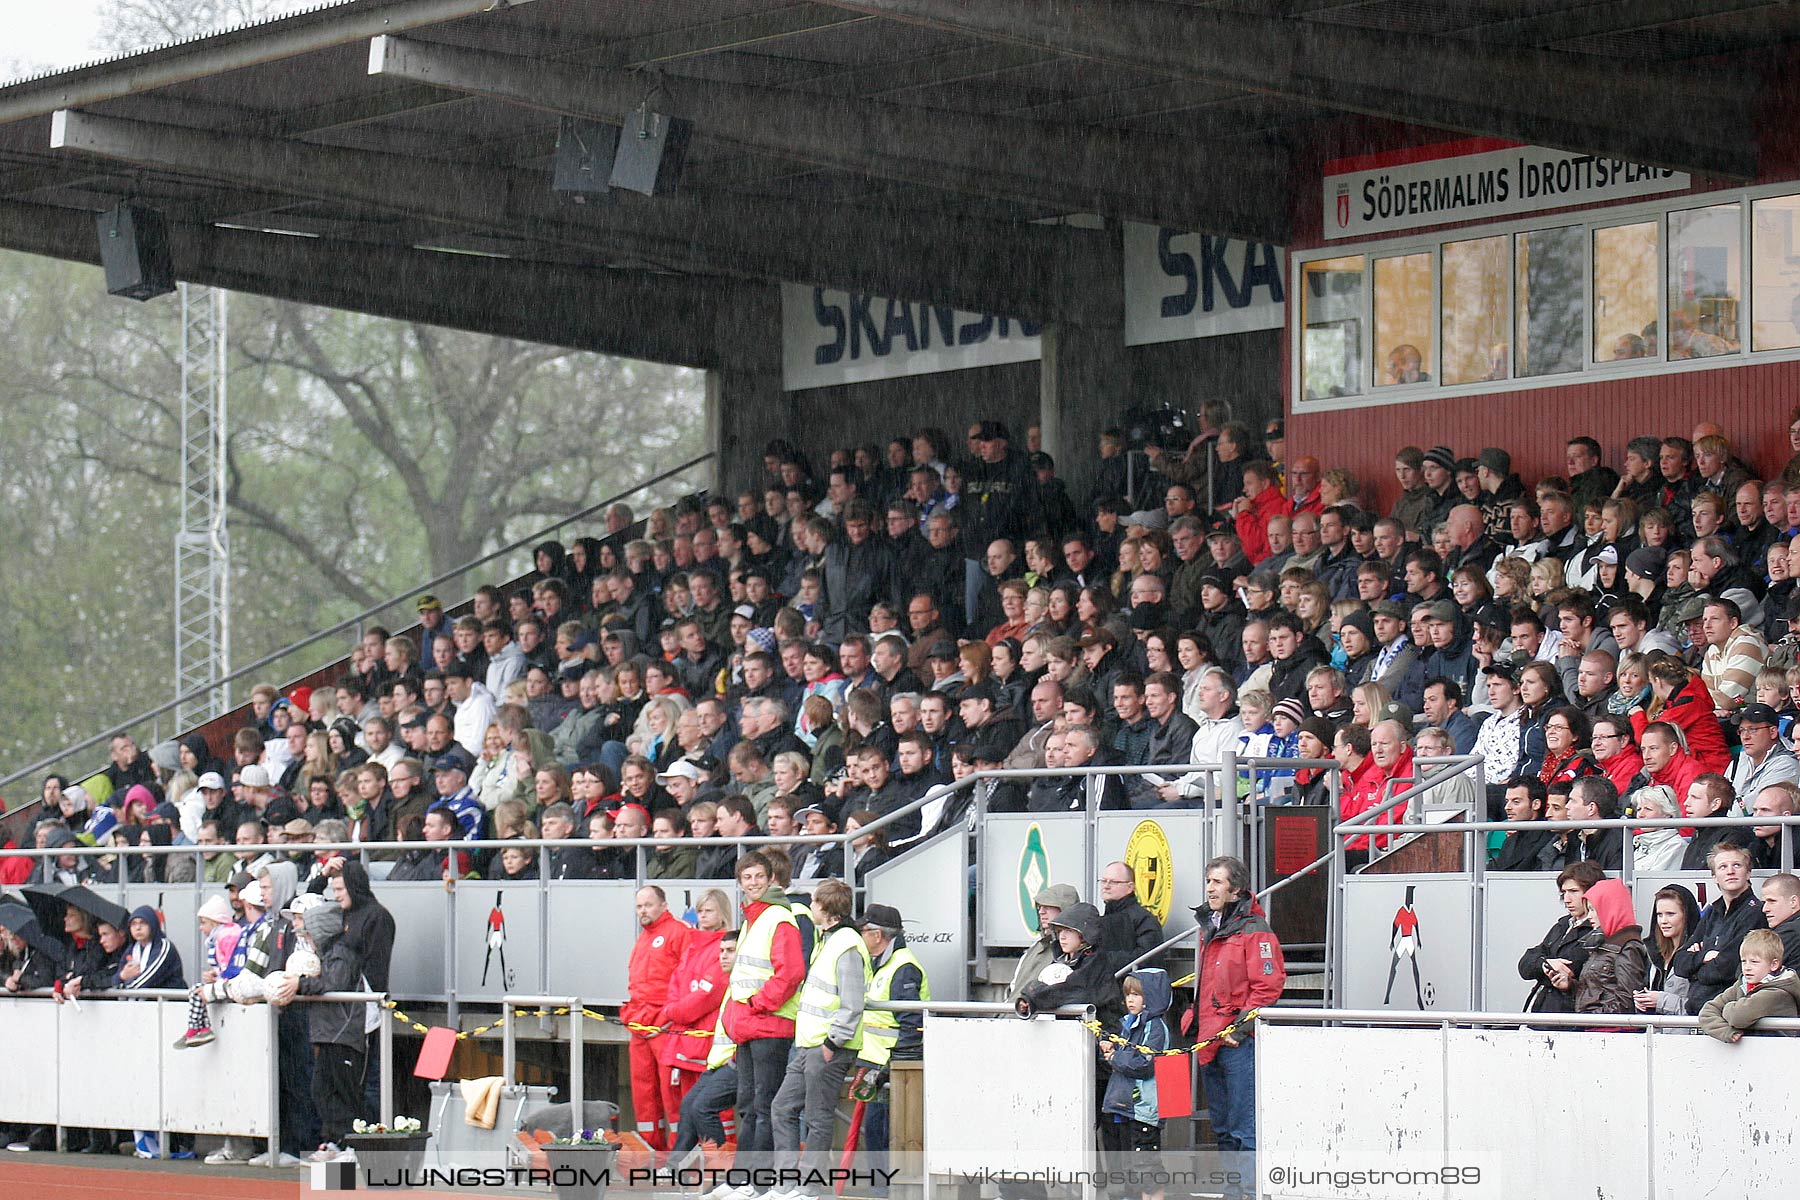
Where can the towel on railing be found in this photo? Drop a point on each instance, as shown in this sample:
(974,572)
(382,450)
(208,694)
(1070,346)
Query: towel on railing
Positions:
(481,1100)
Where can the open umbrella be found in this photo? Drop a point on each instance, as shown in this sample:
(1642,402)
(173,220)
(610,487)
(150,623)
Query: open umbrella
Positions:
(46,903)
(24,926)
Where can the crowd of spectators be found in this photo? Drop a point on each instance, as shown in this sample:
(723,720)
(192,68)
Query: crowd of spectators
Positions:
(822,651)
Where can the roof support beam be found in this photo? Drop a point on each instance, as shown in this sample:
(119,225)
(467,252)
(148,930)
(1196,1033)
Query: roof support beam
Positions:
(671,45)
(1069,167)
(1015,270)
(233,50)
(1649,113)
(633,313)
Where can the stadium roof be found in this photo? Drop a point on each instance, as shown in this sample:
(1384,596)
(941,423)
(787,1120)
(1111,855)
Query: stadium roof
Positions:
(923,148)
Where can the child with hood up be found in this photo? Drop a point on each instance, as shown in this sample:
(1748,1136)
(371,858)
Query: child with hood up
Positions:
(151,961)
(219,935)
(1128,1112)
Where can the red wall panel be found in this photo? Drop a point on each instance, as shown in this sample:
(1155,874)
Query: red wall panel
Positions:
(1751,402)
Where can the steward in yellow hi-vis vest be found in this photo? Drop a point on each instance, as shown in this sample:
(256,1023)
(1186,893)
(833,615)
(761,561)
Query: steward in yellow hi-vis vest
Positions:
(887,1036)
(899,975)
(827,1034)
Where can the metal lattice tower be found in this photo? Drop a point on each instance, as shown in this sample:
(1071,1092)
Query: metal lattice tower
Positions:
(202,551)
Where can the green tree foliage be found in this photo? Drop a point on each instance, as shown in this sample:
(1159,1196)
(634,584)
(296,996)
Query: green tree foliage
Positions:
(364,456)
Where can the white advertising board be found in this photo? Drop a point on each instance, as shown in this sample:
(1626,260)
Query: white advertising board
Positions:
(1194,285)
(831,337)
(1474,179)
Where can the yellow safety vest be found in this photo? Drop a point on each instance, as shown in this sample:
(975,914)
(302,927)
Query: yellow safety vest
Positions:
(723,1049)
(880,1028)
(755,964)
(819,999)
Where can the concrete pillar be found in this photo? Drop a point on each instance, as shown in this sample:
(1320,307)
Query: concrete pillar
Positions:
(745,405)
(1085,377)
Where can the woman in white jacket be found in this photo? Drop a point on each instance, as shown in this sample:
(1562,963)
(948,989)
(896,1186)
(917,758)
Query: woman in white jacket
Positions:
(1656,849)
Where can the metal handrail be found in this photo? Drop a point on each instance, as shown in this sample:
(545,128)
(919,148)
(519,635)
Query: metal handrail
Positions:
(185,993)
(1462,827)
(1377,1016)
(972,1008)
(344,625)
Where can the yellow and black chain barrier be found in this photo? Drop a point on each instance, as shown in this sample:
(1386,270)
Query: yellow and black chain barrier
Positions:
(590,1014)
(1100,1034)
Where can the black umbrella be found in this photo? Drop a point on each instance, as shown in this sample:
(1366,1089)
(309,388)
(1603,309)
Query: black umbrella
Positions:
(13,914)
(24,926)
(47,900)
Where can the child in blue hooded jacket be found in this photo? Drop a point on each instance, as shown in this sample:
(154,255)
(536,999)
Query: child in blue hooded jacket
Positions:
(1128,1112)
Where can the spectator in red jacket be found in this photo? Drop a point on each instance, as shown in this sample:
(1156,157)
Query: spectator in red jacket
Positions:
(1393,757)
(696,990)
(1682,700)
(1361,786)
(1241,970)
(1665,762)
(661,943)
(1262,501)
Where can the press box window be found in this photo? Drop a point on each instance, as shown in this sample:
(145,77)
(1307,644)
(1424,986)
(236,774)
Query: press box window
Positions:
(1547,293)
(1625,287)
(1402,343)
(1775,273)
(1474,342)
(1705,265)
(1331,308)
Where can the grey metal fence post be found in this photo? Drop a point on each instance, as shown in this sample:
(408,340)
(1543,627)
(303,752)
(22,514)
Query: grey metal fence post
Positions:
(1478,919)
(162,1115)
(1228,798)
(509,1050)
(385,1049)
(981,949)
(577,1063)
(452,1010)
(274,1086)
(543,983)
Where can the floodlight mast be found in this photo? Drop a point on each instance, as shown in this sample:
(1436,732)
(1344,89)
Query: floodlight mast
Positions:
(202,547)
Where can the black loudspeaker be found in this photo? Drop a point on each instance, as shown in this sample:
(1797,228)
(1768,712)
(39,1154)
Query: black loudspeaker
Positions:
(134,252)
(584,157)
(652,149)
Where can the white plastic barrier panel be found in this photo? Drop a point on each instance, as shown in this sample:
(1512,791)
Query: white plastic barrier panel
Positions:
(1521,1112)
(929,885)
(112,1064)
(29,1093)
(1518,909)
(1046,1123)
(1406,942)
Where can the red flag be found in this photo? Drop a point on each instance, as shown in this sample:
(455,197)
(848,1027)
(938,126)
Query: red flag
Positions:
(434,1055)
(1174,1086)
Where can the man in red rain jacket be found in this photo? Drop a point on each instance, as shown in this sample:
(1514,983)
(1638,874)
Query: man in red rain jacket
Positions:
(1261,502)
(1241,969)
(662,939)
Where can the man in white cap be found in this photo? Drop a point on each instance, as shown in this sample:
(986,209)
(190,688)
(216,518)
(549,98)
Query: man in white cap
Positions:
(217,802)
(253,789)
(681,781)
